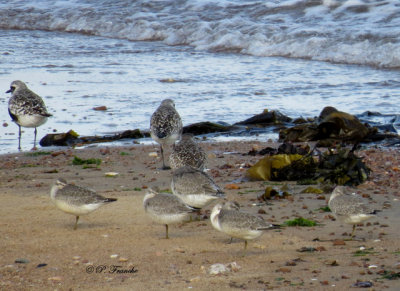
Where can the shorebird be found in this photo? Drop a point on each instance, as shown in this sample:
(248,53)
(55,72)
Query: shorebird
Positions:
(76,200)
(350,208)
(187,152)
(195,187)
(26,109)
(238,224)
(165,126)
(230,205)
(166,208)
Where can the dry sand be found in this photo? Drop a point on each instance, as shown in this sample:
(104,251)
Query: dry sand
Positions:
(55,257)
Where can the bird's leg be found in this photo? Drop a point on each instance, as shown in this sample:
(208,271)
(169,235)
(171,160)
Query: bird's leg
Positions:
(19,137)
(352,233)
(34,140)
(164,167)
(166,231)
(245,248)
(76,223)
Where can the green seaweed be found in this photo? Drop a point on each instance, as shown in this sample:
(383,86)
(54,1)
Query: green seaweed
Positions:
(390,275)
(300,221)
(124,154)
(85,163)
(365,252)
(323,209)
(312,190)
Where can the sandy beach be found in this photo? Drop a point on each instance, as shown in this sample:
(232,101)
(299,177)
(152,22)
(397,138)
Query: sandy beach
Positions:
(118,247)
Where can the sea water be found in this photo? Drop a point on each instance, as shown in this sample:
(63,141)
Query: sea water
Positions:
(218,60)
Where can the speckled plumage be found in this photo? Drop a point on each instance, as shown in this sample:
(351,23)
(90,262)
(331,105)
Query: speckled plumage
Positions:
(238,224)
(165,208)
(195,187)
(350,208)
(187,153)
(165,125)
(76,200)
(26,108)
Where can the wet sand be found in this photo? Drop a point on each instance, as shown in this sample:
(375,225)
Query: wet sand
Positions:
(118,247)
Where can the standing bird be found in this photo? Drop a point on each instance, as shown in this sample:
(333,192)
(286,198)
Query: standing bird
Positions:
(350,208)
(232,205)
(76,200)
(166,208)
(187,153)
(195,187)
(238,224)
(26,109)
(165,126)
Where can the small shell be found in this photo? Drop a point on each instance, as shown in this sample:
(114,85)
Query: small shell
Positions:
(111,174)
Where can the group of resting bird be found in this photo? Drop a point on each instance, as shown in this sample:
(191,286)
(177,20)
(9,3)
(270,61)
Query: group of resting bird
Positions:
(192,188)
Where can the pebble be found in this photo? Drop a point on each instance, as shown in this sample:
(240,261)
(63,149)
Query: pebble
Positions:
(339,242)
(55,279)
(122,259)
(41,265)
(217,269)
(21,261)
(114,256)
(100,108)
(76,258)
(153,154)
(111,174)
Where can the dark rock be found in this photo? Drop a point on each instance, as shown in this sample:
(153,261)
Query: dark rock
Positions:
(60,139)
(362,284)
(41,265)
(206,127)
(266,118)
(72,138)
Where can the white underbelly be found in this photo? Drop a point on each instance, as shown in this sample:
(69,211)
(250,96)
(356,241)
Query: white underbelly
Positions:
(31,120)
(76,210)
(197,200)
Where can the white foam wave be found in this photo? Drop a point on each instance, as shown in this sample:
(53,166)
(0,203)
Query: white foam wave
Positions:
(364,32)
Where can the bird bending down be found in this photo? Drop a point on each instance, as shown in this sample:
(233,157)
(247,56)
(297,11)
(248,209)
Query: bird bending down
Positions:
(195,187)
(238,224)
(187,152)
(76,200)
(165,126)
(26,109)
(350,208)
(165,208)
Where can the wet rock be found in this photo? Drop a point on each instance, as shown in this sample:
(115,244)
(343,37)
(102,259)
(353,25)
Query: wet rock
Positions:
(71,138)
(206,127)
(100,108)
(333,126)
(266,118)
(307,250)
(362,284)
(41,265)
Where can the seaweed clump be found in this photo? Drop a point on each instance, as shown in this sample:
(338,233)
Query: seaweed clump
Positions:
(341,167)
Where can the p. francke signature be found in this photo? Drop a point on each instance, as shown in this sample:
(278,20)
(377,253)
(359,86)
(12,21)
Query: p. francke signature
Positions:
(112,269)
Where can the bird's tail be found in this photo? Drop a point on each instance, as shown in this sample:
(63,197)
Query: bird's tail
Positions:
(271,226)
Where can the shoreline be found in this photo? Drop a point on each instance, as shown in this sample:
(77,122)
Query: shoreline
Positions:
(56,257)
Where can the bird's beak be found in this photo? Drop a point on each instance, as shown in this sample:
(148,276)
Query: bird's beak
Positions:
(9,91)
